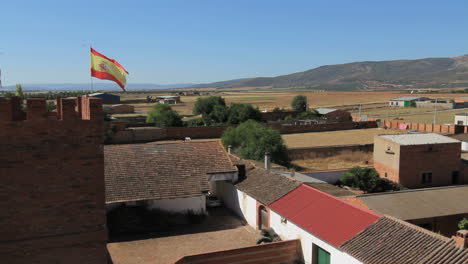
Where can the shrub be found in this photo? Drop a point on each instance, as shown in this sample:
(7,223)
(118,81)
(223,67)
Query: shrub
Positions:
(368,180)
(299,103)
(251,140)
(163,116)
(463,224)
(196,122)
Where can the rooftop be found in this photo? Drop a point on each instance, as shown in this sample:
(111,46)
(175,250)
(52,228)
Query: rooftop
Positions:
(159,171)
(419,139)
(462,114)
(419,203)
(322,214)
(266,186)
(324,111)
(395,241)
(408,98)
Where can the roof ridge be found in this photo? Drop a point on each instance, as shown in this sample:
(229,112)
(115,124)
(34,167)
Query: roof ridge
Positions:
(346,203)
(418,228)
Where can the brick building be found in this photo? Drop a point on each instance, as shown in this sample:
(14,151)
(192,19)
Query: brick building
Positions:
(52,182)
(419,160)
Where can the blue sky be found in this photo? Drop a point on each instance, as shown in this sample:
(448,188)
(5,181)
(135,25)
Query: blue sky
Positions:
(203,41)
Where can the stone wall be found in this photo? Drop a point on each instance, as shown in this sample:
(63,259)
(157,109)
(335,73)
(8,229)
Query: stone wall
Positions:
(52,182)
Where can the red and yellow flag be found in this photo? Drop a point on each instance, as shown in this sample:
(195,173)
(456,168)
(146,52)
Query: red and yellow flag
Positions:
(106,68)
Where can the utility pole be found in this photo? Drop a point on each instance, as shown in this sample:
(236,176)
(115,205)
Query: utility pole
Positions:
(360,105)
(435,111)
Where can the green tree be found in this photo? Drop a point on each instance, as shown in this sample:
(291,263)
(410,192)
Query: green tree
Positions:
(463,224)
(299,103)
(163,116)
(239,113)
(196,122)
(220,114)
(205,105)
(252,140)
(19,91)
(368,180)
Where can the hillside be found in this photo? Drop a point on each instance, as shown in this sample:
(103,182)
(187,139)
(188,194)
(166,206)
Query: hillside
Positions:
(421,73)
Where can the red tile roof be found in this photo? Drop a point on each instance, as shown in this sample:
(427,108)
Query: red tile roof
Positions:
(323,215)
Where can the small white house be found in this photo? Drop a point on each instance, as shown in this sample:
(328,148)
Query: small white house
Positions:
(461,119)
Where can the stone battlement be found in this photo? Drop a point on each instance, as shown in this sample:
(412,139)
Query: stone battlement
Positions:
(71,108)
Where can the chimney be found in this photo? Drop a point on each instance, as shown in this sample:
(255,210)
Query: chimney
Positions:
(461,238)
(229,149)
(267,160)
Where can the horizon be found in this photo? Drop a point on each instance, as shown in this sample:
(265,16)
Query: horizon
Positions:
(179,42)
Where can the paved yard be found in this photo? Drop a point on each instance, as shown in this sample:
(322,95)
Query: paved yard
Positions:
(219,231)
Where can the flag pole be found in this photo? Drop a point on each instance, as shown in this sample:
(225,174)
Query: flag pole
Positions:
(91,76)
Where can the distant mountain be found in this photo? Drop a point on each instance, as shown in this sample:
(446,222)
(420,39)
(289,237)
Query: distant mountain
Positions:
(96,86)
(430,72)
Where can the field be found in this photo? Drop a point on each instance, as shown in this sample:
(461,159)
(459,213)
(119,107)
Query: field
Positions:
(373,104)
(342,137)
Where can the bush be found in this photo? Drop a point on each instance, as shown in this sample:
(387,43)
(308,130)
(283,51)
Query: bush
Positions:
(368,180)
(220,114)
(251,140)
(239,113)
(463,224)
(196,122)
(299,103)
(163,116)
(205,105)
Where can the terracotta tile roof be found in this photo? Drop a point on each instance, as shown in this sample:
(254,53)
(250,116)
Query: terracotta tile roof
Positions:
(266,186)
(323,215)
(390,241)
(159,171)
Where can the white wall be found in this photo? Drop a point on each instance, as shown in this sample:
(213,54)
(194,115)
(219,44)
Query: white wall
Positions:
(195,203)
(461,118)
(291,231)
(238,202)
(464,146)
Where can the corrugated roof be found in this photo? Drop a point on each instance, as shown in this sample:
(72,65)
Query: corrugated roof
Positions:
(419,203)
(408,98)
(419,139)
(393,241)
(324,111)
(159,171)
(323,215)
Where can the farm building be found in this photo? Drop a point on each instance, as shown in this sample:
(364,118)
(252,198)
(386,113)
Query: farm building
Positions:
(436,209)
(107,98)
(168,99)
(419,160)
(461,119)
(406,101)
(171,177)
(119,109)
(332,114)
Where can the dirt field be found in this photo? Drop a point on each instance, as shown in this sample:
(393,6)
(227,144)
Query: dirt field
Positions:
(343,137)
(341,161)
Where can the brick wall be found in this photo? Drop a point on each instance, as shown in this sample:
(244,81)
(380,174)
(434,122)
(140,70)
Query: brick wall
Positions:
(327,151)
(148,134)
(284,252)
(442,129)
(52,182)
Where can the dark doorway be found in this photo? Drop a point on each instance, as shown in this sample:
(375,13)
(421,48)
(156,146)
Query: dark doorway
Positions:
(263,217)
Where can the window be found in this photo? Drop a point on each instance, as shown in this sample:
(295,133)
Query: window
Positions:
(386,175)
(455,177)
(319,255)
(459,122)
(426,177)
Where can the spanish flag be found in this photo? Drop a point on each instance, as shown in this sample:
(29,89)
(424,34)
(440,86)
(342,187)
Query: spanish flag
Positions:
(106,68)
